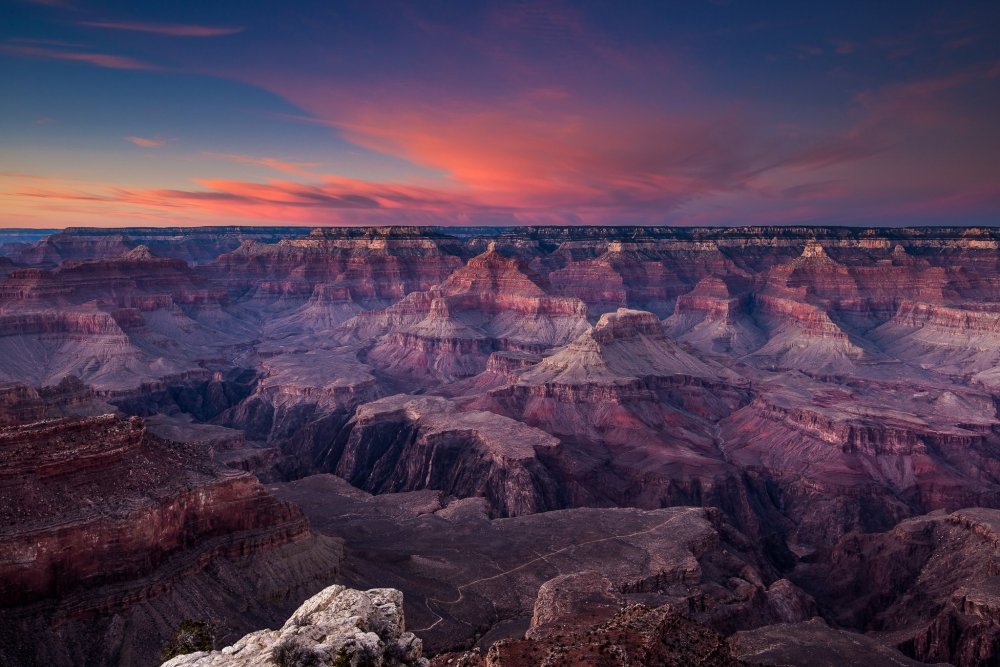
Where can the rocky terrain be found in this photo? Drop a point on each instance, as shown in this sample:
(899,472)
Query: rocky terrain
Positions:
(722,421)
(111,535)
(687,556)
(338,625)
(928,586)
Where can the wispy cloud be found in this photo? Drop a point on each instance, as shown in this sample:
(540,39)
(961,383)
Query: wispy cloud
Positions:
(106,60)
(147,142)
(843,47)
(37,41)
(61,4)
(277,164)
(171,29)
(325,200)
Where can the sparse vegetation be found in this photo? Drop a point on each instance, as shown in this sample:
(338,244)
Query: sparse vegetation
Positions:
(293,653)
(191,636)
(342,659)
(367,656)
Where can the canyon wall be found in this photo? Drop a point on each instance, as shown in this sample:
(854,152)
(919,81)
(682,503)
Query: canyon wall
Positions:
(807,385)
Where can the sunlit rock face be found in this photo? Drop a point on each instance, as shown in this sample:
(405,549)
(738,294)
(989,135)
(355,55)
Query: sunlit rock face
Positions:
(816,390)
(338,623)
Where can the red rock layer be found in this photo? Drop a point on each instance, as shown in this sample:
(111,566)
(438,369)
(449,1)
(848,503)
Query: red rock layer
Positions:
(385,265)
(107,531)
(86,502)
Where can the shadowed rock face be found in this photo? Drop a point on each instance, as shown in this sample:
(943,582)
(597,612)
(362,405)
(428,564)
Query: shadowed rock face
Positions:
(107,531)
(928,586)
(541,566)
(813,389)
(405,443)
(813,644)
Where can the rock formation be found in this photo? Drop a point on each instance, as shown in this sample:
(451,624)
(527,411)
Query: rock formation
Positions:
(108,532)
(542,566)
(928,586)
(337,626)
(406,443)
(813,643)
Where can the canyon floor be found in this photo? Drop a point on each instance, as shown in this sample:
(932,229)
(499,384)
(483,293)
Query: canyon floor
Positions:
(781,445)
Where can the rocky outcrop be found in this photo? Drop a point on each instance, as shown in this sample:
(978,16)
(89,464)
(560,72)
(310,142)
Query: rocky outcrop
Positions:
(196,245)
(625,359)
(116,322)
(336,626)
(638,635)
(406,443)
(24,404)
(634,411)
(595,282)
(490,304)
(622,346)
(864,461)
(329,305)
(959,340)
(328,379)
(715,318)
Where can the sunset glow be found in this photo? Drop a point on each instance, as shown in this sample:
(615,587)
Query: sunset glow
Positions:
(692,113)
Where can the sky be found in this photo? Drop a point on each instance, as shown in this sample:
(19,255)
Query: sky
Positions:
(675,112)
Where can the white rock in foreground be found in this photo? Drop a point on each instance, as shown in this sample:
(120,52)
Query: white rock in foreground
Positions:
(338,625)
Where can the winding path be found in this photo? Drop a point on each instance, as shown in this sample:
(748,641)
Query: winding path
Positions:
(462,587)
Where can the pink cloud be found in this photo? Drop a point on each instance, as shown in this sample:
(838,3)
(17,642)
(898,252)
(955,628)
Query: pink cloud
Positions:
(277,164)
(61,4)
(99,59)
(548,120)
(521,155)
(322,201)
(170,29)
(330,200)
(843,47)
(147,142)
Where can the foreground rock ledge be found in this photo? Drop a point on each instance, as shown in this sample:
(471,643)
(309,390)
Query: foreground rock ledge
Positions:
(338,625)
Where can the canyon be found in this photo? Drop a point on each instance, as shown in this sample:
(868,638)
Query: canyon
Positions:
(755,445)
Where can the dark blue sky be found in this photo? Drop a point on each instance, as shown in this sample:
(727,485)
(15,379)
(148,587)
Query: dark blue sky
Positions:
(687,112)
